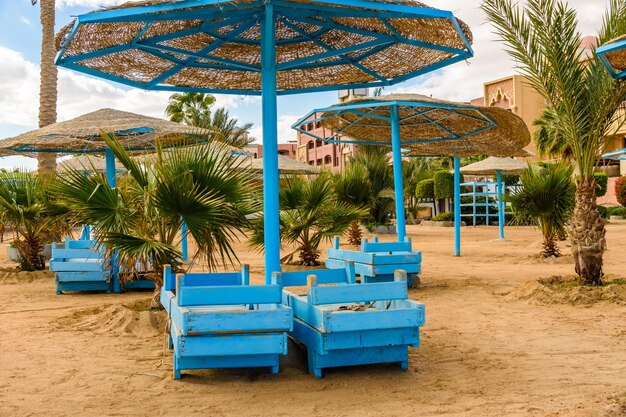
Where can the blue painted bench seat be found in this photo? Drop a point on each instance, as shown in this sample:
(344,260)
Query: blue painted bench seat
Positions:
(343,323)
(78,266)
(218,320)
(377,261)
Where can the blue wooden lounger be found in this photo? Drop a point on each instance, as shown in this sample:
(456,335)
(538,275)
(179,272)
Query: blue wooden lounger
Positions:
(343,323)
(78,266)
(377,261)
(218,320)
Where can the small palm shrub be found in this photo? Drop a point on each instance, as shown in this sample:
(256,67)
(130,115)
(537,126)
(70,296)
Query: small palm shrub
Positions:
(602,181)
(547,199)
(443,217)
(353,186)
(310,212)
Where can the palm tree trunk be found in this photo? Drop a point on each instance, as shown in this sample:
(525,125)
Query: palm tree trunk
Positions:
(587,233)
(48,80)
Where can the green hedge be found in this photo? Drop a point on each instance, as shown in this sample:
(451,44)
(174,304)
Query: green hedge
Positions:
(602,181)
(443,217)
(508,179)
(425,189)
(620,190)
(607,212)
(444,184)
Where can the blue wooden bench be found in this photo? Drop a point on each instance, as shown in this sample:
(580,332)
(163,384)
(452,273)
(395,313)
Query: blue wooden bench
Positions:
(343,323)
(377,261)
(78,266)
(218,320)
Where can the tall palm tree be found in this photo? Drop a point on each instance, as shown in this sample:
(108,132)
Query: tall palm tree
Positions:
(548,139)
(542,38)
(227,129)
(193,109)
(547,198)
(202,186)
(353,186)
(48,80)
(375,160)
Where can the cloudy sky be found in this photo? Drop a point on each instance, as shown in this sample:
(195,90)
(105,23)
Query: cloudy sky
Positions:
(20,39)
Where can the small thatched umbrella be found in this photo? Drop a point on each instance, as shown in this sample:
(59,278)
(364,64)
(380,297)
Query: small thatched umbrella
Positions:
(88,163)
(286,166)
(613,56)
(425,126)
(267,48)
(495,166)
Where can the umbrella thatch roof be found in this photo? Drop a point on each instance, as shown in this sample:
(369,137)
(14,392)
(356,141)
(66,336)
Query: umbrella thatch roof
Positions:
(430,126)
(617,58)
(88,163)
(492,164)
(83,134)
(215,45)
(286,165)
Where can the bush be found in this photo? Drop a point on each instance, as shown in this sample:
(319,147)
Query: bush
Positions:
(425,189)
(620,190)
(443,217)
(608,211)
(508,179)
(602,183)
(444,184)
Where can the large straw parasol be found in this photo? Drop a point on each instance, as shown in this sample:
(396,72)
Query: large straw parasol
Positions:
(425,126)
(88,163)
(83,134)
(492,165)
(613,56)
(263,47)
(428,126)
(287,166)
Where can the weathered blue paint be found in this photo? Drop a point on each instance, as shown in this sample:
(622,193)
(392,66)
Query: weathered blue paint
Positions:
(500,203)
(349,324)
(457,206)
(79,267)
(184,248)
(220,321)
(377,261)
(112,180)
(608,48)
(270,143)
(86,233)
(397,173)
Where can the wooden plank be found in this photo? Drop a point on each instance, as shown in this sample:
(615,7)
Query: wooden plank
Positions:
(80,244)
(212,279)
(374,257)
(372,338)
(81,276)
(221,322)
(76,254)
(348,321)
(355,293)
(225,295)
(232,345)
(386,246)
(76,266)
(83,286)
(324,276)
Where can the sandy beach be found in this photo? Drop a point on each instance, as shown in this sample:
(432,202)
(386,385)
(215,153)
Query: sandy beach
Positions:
(489,347)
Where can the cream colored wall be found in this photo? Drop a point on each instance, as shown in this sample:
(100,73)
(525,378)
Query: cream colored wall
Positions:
(529,105)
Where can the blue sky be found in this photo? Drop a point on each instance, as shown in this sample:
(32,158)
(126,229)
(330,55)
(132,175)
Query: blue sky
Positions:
(20,37)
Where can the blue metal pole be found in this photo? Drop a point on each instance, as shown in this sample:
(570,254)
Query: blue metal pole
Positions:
(397,172)
(457,206)
(110,172)
(183,244)
(270,143)
(500,203)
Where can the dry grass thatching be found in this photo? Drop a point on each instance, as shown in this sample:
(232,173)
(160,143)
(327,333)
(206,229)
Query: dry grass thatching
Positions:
(140,64)
(87,163)
(507,138)
(491,165)
(617,59)
(84,134)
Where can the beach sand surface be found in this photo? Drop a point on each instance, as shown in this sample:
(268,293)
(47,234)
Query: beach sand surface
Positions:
(484,352)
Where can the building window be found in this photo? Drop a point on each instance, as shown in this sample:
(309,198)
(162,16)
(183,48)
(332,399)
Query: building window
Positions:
(337,161)
(310,145)
(319,162)
(318,125)
(309,127)
(318,143)
(328,160)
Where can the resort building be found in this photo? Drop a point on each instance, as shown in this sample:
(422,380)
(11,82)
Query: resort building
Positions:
(255,150)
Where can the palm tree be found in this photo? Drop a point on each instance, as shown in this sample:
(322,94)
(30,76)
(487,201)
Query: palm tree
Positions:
(547,199)
(193,109)
(24,204)
(548,140)
(542,38)
(202,186)
(354,187)
(310,212)
(375,160)
(228,131)
(48,80)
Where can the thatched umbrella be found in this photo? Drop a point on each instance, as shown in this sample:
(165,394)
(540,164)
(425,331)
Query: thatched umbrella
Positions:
(613,56)
(263,47)
(286,166)
(495,166)
(425,126)
(88,163)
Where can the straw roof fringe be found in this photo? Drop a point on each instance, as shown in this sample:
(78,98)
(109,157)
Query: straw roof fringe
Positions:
(507,138)
(88,163)
(491,165)
(140,66)
(617,59)
(83,134)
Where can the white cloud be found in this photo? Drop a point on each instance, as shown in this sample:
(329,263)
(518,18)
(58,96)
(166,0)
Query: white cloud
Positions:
(78,94)
(60,4)
(25,21)
(285,132)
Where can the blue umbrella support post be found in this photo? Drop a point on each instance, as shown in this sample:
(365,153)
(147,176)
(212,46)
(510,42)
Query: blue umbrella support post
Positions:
(397,173)
(184,248)
(501,217)
(457,206)
(110,173)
